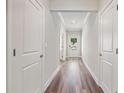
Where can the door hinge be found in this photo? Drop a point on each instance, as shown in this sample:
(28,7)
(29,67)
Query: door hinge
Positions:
(116,50)
(14,52)
(117,7)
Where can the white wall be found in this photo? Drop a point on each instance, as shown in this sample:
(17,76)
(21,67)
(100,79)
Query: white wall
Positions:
(62,35)
(62,42)
(90,45)
(74,5)
(51,44)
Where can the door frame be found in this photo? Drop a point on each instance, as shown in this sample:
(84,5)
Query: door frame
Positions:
(9,46)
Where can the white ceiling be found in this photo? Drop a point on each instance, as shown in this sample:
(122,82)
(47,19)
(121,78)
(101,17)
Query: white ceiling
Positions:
(73,20)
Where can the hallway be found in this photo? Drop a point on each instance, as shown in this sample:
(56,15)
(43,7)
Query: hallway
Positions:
(62,46)
(73,77)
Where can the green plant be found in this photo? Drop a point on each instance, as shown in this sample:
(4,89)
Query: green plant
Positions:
(73,40)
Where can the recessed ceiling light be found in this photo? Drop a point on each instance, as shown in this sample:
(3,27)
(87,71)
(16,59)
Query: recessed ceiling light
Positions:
(73,21)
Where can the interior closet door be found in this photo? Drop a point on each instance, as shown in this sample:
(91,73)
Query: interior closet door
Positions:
(109,49)
(27,42)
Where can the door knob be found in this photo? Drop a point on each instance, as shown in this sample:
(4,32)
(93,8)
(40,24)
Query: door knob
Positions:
(41,56)
(100,54)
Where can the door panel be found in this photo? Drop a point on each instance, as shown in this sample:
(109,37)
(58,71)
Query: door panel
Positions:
(107,74)
(32,28)
(31,81)
(108,48)
(107,32)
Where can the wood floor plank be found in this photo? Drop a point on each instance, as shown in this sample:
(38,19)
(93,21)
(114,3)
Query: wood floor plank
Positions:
(73,77)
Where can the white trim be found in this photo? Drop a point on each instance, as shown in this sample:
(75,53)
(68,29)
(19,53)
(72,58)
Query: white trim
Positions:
(106,90)
(91,72)
(105,6)
(86,18)
(9,47)
(48,82)
(61,17)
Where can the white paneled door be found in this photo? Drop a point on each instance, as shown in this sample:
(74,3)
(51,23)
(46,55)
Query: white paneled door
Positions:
(73,43)
(27,43)
(109,49)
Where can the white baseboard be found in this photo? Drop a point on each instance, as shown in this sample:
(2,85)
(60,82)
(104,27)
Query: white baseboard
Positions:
(95,78)
(48,82)
(91,72)
(50,79)
(105,89)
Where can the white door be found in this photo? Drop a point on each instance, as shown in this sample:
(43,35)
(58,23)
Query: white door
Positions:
(73,43)
(27,43)
(108,55)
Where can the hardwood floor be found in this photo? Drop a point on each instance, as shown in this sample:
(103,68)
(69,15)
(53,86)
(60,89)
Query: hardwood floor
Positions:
(73,77)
